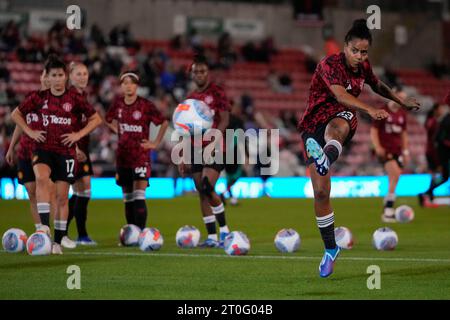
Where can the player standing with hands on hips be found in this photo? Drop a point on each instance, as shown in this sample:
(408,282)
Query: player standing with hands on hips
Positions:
(54,155)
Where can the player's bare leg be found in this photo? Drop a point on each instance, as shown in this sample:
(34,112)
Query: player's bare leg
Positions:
(336,132)
(140,207)
(209,218)
(62,212)
(393,171)
(42,174)
(31,190)
(83,188)
(209,179)
(128,200)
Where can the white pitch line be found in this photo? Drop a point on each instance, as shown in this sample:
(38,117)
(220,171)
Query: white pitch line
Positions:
(195,255)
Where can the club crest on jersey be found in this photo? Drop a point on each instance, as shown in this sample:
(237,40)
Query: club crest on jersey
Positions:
(67,106)
(45,106)
(209,99)
(137,115)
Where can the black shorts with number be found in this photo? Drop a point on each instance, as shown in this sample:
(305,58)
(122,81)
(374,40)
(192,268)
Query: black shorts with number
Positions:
(84,168)
(391,156)
(62,167)
(198,167)
(319,134)
(25,171)
(126,176)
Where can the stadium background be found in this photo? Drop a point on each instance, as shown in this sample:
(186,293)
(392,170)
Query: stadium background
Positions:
(262,52)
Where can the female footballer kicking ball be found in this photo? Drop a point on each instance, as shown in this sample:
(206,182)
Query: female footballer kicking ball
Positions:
(330,121)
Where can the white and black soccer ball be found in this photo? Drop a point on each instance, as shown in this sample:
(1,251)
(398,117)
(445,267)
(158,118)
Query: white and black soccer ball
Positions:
(404,214)
(192,117)
(385,239)
(287,240)
(236,243)
(14,240)
(129,235)
(39,244)
(344,237)
(150,239)
(187,237)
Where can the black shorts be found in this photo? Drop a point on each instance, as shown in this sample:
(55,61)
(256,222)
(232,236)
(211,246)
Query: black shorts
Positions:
(319,134)
(198,167)
(392,156)
(62,167)
(25,171)
(126,176)
(84,169)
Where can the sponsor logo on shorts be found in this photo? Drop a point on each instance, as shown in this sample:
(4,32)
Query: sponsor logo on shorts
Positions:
(346,115)
(86,168)
(20,175)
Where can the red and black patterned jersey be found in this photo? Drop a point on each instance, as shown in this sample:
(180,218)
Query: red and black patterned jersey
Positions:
(390,130)
(134,125)
(215,98)
(322,104)
(58,115)
(83,143)
(26,144)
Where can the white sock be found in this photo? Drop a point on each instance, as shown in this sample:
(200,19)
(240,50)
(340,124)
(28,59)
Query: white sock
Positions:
(213,236)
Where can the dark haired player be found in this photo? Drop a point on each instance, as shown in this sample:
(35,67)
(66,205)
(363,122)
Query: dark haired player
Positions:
(330,121)
(390,141)
(130,117)
(55,138)
(205,175)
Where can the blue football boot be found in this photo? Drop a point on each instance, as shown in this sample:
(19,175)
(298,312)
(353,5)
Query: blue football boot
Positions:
(315,151)
(327,264)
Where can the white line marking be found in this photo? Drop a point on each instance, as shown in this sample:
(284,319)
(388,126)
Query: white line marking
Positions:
(195,255)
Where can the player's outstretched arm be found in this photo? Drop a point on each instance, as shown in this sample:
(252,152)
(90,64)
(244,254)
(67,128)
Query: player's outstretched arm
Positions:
(383,90)
(343,97)
(36,135)
(93,122)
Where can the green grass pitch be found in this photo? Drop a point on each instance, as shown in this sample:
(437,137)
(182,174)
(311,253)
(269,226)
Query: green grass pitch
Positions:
(419,268)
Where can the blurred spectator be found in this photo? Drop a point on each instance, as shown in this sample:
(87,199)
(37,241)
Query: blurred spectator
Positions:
(9,36)
(225,51)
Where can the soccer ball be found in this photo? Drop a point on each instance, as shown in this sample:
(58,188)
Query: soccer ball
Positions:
(39,244)
(404,214)
(187,237)
(344,237)
(14,240)
(129,235)
(385,239)
(236,244)
(287,240)
(192,117)
(150,239)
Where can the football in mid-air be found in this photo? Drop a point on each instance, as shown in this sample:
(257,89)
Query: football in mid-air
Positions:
(287,240)
(404,214)
(14,240)
(385,239)
(344,237)
(150,239)
(39,244)
(187,237)
(129,235)
(192,117)
(236,243)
